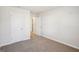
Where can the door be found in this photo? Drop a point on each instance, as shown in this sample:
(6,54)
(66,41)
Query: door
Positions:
(36,25)
(19,26)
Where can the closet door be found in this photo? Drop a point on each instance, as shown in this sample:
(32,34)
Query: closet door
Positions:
(19,25)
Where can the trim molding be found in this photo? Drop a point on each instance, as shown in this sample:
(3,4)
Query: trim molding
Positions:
(67,44)
(13,42)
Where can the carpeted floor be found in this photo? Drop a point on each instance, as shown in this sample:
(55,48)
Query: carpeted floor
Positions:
(38,44)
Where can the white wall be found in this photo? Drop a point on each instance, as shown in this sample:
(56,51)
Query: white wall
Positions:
(15,25)
(5,26)
(62,24)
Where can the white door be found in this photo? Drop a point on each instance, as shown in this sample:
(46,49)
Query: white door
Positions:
(19,25)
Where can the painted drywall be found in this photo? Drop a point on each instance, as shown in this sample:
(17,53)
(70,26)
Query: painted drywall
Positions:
(15,25)
(62,24)
(5,26)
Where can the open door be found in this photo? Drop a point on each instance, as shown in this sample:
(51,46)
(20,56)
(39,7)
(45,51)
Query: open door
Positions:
(36,25)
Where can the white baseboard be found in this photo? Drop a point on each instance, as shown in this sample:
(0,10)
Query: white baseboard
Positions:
(73,46)
(8,43)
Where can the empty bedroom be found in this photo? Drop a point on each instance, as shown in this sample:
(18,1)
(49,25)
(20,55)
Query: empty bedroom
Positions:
(39,28)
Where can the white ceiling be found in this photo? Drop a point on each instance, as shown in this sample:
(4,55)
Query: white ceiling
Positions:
(38,9)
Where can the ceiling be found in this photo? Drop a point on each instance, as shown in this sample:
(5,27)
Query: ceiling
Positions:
(38,9)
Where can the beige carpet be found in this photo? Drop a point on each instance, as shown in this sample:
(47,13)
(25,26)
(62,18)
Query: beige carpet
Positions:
(38,44)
